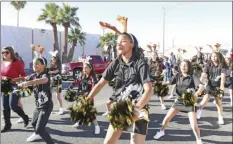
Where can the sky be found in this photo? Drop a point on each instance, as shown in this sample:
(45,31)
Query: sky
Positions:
(186,23)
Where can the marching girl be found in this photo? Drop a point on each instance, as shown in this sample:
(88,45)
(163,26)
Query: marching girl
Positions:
(40,80)
(229,79)
(85,84)
(160,72)
(132,81)
(216,73)
(11,69)
(198,62)
(184,80)
(55,74)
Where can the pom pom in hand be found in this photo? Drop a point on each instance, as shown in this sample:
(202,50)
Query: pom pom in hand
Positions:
(218,93)
(22,92)
(123,114)
(83,111)
(188,98)
(6,85)
(160,89)
(70,95)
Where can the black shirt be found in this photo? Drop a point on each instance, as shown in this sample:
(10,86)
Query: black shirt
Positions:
(42,92)
(229,71)
(214,74)
(184,83)
(129,77)
(86,83)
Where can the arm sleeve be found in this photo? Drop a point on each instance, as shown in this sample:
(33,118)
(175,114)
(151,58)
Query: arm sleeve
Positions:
(109,72)
(45,76)
(144,73)
(223,70)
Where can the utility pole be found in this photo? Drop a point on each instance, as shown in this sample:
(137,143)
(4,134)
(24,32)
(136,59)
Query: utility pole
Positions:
(164,30)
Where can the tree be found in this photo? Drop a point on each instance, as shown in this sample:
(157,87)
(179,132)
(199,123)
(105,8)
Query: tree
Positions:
(50,16)
(67,17)
(75,36)
(18,5)
(108,40)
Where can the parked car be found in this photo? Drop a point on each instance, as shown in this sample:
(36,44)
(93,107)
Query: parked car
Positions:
(72,69)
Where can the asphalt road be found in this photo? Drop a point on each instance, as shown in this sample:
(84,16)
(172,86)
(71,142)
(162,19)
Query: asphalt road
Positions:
(178,131)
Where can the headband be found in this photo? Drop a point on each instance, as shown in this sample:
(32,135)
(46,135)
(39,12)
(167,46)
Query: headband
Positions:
(85,59)
(131,36)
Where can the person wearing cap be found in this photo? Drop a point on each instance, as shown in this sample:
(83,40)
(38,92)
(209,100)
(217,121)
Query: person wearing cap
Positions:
(11,68)
(131,73)
(43,99)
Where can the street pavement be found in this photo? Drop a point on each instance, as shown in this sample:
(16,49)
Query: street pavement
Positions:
(178,130)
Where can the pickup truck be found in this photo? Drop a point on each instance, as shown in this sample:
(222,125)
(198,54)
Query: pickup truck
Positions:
(72,69)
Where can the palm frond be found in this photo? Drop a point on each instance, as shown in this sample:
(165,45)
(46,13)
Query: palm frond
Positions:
(18,4)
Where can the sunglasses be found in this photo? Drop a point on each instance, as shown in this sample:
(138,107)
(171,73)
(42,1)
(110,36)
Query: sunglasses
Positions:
(6,52)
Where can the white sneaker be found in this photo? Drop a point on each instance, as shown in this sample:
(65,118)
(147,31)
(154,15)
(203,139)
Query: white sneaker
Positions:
(97,129)
(105,114)
(2,116)
(75,125)
(199,111)
(60,111)
(159,134)
(220,120)
(171,96)
(33,137)
(20,120)
(199,141)
(163,107)
(214,102)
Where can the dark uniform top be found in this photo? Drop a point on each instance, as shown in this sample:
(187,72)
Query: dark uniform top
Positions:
(214,74)
(85,84)
(184,83)
(129,77)
(42,92)
(229,78)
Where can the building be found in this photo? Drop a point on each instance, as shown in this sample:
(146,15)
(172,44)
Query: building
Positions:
(21,38)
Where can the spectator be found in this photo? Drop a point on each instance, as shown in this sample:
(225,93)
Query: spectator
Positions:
(19,58)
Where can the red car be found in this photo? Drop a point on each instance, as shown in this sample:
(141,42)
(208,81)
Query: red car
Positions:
(72,69)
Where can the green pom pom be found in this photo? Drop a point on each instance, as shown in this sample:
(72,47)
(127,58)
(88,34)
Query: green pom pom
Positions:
(160,89)
(121,114)
(188,99)
(83,111)
(218,93)
(70,95)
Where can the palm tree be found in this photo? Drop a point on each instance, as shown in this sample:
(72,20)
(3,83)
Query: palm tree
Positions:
(109,41)
(50,16)
(67,17)
(18,6)
(74,37)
